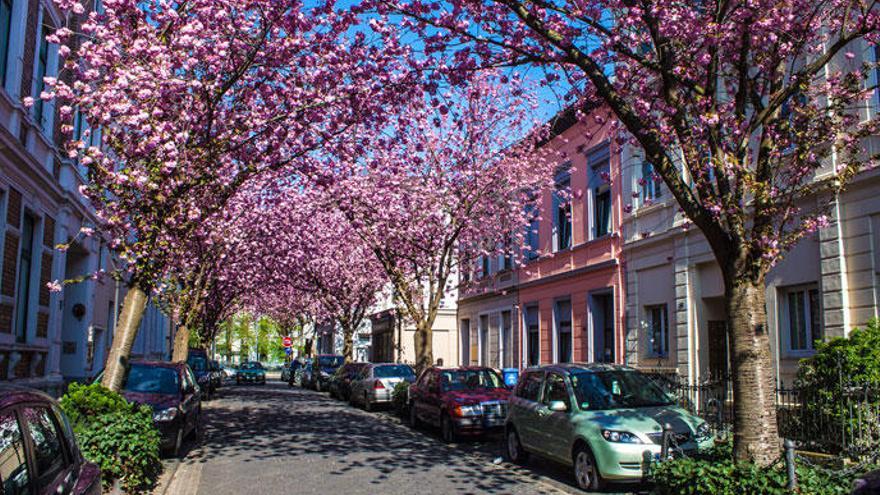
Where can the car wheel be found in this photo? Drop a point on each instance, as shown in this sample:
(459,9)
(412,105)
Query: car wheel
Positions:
(515,452)
(368,406)
(413,417)
(586,473)
(447,429)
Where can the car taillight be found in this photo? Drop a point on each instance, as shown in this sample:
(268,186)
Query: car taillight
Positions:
(378,385)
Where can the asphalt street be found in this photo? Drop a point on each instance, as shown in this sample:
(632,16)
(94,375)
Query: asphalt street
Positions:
(277,440)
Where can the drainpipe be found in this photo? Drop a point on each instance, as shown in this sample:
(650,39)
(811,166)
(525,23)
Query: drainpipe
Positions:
(841,257)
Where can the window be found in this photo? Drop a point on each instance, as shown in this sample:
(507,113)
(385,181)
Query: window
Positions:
(599,165)
(562,210)
(506,340)
(48,452)
(649,184)
(533,340)
(14,476)
(531,236)
(563,331)
(485,269)
(39,84)
(658,330)
(465,330)
(5,28)
(484,340)
(804,326)
(556,390)
(529,387)
(24,277)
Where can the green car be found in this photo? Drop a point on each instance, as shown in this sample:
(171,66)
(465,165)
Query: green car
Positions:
(251,372)
(603,420)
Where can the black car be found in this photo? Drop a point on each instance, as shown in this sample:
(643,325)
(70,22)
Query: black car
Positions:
(171,390)
(339,384)
(216,374)
(300,376)
(38,452)
(292,368)
(320,370)
(199,363)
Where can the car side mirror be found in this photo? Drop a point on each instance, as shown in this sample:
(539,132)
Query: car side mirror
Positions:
(557,406)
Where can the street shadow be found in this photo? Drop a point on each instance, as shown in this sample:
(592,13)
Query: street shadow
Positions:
(277,422)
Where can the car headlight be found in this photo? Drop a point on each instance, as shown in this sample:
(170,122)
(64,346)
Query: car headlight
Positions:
(165,414)
(474,410)
(704,432)
(615,436)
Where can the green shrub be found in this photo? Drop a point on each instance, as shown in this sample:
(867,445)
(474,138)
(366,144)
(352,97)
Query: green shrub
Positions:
(716,473)
(399,397)
(118,436)
(840,361)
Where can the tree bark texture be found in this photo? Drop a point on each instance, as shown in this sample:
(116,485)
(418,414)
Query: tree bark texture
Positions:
(424,338)
(181,345)
(756,435)
(133,307)
(348,343)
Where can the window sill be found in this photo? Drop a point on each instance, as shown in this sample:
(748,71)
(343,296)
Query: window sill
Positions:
(798,354)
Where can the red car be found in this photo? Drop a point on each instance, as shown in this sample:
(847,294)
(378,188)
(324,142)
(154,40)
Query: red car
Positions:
(38,452)
(461,401)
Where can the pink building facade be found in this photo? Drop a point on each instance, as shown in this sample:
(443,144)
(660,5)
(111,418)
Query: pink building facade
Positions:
(566,302)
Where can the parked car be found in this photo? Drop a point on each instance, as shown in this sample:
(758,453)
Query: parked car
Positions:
(598,418)
(285,373)
(375,383)
(228,372)
(216,374)
(301,374)
(339,384)
(320,370)
(171,390)
(38,451)
(198,362)
(461,401)
(292,368)
(251,372)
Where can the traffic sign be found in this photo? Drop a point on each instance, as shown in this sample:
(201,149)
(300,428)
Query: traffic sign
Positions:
(288,342)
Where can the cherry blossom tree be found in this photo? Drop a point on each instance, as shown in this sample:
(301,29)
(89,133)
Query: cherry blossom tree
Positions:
(447,182)
(747,110)
(306,251)
(193,98)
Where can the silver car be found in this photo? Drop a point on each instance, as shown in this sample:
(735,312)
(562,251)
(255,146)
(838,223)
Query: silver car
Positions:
(376,382)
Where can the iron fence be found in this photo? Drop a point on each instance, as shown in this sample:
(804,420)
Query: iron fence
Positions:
(843,422)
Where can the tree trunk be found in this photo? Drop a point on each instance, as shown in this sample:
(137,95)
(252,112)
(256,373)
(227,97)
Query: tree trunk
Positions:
(755,431)
(348,343)
(424,339)
(133,307)
(181,345)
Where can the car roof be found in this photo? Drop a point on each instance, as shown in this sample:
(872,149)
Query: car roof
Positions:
(461,368)
(580,366)
(13,394)
(158,364)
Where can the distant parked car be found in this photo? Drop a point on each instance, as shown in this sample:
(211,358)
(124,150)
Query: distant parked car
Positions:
(600,419)
(216,374)
(376,382)
(323,368)
(461,401)
(339,384)
(38,452)
(171,390)
(198,362)
(301,373)
(251,372)
(228,372)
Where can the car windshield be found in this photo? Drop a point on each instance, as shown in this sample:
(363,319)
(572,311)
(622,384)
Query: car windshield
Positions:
(330,361)
(197,363)
(393,371)
(469,380)
(252,366)
(151,380)
(616,389)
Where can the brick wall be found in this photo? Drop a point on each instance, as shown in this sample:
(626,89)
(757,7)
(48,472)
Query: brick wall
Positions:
(5,318)
(30,44)
(42,324)
(13,211)
(45,276)
(10,260)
